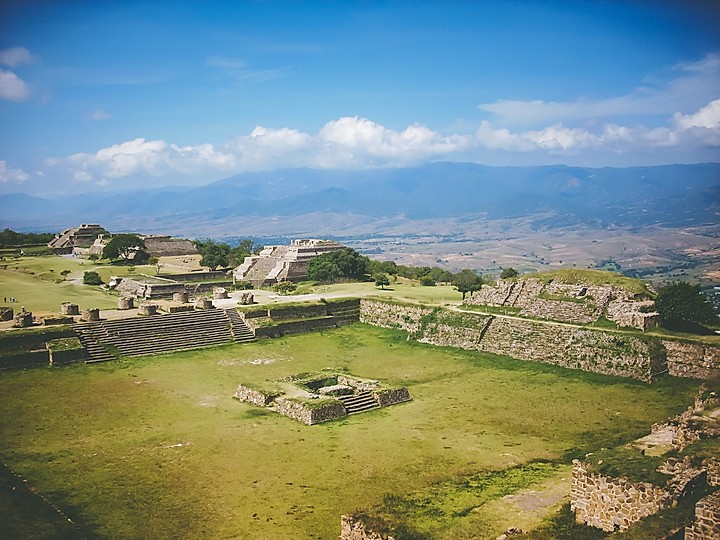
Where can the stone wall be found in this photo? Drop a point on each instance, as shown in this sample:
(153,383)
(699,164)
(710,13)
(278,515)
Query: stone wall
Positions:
(391,396)
(256,397)
(306,414)
(707,519)
(579,348)
(612,503)
(284,313)
(575,303)
(354,528)
(393,315)
(692,360)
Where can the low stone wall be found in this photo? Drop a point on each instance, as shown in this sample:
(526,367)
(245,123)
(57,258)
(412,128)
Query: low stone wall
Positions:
(692,360)
(578,348)
(364,385)
(612,503)
(353,528)
(306,325)
(24,359)
(309,415)
(393,315)
(707,519)
(391,396)
(256,397)
(178,309)
(282,313)
(65,351)
(51,320)
(214,275)
(629,314)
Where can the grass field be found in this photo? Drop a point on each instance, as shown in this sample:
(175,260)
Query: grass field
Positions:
(157,448)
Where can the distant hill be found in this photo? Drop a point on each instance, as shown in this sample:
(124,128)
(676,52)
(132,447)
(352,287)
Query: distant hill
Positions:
(673,196)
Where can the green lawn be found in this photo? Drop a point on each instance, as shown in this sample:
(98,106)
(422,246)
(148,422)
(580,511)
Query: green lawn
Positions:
(38,285)
(157,448)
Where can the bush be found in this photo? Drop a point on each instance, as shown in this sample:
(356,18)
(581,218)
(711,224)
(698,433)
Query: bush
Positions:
(92,278)
(285,287)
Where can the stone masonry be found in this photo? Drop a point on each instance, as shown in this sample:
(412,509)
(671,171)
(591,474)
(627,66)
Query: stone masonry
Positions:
(569,302)
(612,503)
(707,519)
(578,348)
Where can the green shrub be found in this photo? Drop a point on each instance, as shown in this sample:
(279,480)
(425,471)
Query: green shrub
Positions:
(92,278)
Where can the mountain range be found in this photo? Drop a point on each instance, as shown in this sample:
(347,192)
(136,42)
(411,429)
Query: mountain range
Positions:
(331,202)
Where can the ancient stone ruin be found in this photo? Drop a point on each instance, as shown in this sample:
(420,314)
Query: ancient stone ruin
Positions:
(614,503)
(575,303)
(283,263)
(76,240)
(322,397)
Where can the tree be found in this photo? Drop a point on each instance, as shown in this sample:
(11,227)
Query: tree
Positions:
(342,264)
(215,256)
(125,246)
(381,280)
(467,281)
(508,272)
(65,273)
(427,281)
(154,261)
(681,303)
(92,278)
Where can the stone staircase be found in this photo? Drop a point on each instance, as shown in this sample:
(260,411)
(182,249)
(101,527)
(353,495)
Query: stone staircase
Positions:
(158,334)
(361,402)
(88,336)
(239,330)
(259,271)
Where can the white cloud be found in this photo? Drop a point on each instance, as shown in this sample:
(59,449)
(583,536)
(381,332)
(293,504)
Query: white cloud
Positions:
(707,117)
(696,85)
(11,175)
(98,115)
(354,142)
(12,87)
(15,56)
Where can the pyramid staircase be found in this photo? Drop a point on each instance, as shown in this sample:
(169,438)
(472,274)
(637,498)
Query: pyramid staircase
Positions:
(358,403)
(158,334)
(238,328)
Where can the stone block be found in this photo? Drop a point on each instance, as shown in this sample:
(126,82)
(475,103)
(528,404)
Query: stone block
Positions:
(126,302)
(90,315)
(181,297)
(66,308)
(148,309)
(6,314)
(204,303)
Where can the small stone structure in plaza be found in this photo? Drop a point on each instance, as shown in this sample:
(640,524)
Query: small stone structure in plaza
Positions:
(90,315)
(23,319)
(126,302)
(148,309)
(312,399)
(66,308)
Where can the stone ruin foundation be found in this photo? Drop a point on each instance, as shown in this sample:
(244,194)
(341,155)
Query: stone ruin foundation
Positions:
(204,303)
(66,308)
(219,293)
(148,309)
(247,298)
(707,519)
(6,314)
(181,297)
(90,315)
(323,397)
(23,319)
(126,302)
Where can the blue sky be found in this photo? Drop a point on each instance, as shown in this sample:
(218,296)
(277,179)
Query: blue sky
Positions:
(117,95)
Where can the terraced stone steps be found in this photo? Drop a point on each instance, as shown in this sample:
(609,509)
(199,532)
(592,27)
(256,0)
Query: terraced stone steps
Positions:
(239,330)
(357,403)
(95,351)
(157,334)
